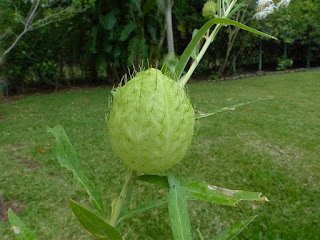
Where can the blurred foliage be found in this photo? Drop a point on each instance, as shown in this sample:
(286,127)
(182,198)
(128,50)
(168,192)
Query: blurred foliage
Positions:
(99,43)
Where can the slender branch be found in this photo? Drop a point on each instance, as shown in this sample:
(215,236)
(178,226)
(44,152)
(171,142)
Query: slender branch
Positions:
(29,19)
(59,16)
(13,44)
(230,7)
(18,13)
(31,15)
(3,35)
(30,26)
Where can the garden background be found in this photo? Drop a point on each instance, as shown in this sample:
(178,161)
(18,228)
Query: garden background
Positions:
(270,146)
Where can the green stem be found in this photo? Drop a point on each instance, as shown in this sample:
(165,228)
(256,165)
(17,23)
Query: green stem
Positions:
(206,45)
(209,40)
(116,210)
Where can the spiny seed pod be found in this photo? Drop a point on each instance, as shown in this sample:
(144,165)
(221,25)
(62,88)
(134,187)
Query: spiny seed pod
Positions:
(209,9)
(151,122)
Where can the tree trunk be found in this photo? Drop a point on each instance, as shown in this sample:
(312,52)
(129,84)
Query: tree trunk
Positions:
(169,28)
(93,69)
(285,53)
(234,63)
(260,53)
(308,55)
(232,35)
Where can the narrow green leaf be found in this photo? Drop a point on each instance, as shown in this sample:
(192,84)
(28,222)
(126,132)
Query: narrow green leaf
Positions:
(206,192)
(93,223)
(155,179)
(200,235)
(21,231)
(141,209)
(136,6)
(234,230)
(165,69)
(127,30)
(200,115)
(235,9)
(68,158)
(126,203)
(109,20)
(194,42)
(246,28)
(195,51)
(178,211)
(218,195)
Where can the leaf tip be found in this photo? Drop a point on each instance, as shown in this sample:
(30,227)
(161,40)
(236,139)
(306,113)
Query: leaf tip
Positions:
(10,210)
(49,129)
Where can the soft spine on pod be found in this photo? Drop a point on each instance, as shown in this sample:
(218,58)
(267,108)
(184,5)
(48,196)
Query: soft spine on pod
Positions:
(151,122)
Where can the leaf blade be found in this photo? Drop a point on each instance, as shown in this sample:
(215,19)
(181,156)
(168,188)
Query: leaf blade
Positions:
(178,211)
(200,235)
(200,115)
(68,158)
(155,179)
(93,223)
(234,230)
(209,193)
(218,195)
(21,231)
(127,30)
(141,209)
(195,51)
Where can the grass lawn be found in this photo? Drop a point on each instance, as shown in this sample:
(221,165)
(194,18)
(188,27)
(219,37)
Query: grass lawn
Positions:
(270,146)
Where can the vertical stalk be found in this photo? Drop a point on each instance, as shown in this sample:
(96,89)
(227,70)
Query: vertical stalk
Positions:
(234,63)
(169,28)
(122,197)
(219,9)
(223,7)
(285,53)
(309,55)
(186,77)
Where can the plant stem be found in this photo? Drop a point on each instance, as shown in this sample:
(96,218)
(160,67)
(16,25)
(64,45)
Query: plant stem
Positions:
(116,210)
(209,40)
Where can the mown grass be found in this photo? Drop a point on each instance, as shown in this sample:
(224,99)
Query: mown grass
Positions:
(270,146)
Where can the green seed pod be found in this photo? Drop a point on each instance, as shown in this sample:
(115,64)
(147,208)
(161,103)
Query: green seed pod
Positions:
(151,122)
(209,9)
